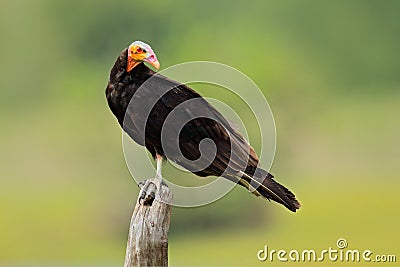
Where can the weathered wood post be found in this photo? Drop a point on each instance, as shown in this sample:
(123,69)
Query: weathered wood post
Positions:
(148,232)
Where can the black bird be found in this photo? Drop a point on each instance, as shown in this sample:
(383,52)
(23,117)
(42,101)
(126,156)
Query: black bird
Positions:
(144,103)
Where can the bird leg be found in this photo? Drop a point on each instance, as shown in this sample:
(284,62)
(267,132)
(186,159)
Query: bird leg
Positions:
(159,179)
(149,187)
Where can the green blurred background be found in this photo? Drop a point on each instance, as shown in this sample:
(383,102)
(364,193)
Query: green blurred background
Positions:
(329,69)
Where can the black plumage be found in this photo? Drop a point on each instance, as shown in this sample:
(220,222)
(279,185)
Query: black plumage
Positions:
(153,97)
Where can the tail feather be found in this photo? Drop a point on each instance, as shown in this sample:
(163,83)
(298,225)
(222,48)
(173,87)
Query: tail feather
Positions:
(261,183)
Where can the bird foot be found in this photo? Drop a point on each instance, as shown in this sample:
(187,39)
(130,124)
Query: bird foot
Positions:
(148,190)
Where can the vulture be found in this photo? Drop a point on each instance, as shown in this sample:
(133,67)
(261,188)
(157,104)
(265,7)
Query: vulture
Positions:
(175,123)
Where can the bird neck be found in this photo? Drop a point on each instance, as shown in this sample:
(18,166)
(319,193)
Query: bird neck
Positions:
(134,64)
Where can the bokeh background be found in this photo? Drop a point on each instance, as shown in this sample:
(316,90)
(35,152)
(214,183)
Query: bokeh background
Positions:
(329,69)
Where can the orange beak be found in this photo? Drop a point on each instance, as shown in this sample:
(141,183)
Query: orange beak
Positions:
(152,60)
(133,63)
(155,64)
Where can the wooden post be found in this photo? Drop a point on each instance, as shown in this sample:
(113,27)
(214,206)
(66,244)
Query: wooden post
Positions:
(148,232)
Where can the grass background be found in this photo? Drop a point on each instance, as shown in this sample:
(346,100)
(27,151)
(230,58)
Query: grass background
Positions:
(330,71)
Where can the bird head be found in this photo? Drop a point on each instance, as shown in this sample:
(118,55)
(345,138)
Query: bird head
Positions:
(141,52)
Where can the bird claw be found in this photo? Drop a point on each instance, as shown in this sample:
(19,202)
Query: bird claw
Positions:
(147,192)
(149,188)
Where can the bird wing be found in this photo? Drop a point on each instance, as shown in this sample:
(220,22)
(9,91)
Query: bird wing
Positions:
(195,120)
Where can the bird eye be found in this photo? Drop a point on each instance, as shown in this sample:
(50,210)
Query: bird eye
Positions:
(139,50)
